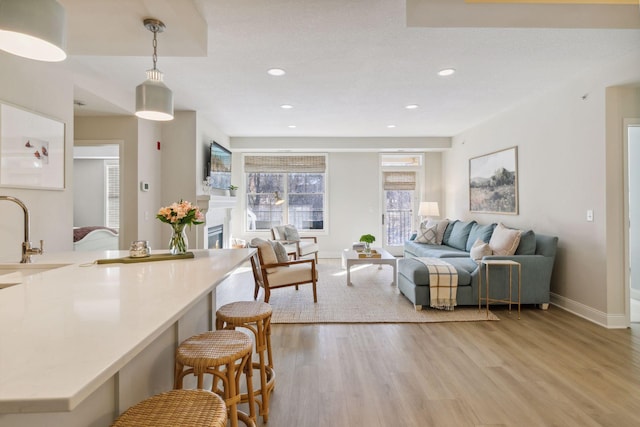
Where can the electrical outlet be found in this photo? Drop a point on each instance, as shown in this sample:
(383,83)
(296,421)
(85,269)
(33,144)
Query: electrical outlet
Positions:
(590,215)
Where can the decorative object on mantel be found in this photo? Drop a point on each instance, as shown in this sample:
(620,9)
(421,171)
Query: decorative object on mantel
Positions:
(368,239)
(232,190)
(179,215)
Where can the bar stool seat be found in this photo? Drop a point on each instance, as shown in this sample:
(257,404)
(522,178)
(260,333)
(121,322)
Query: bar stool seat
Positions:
(225,355)
(255,316)
(185,408)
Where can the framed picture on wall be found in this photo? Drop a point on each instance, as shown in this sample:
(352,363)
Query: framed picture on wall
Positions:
(493,182)
(31,149)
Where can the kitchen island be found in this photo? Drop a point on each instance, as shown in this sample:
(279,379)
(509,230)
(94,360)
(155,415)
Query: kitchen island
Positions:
(82,342)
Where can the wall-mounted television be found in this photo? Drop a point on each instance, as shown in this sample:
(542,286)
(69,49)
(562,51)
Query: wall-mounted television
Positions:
(220,166)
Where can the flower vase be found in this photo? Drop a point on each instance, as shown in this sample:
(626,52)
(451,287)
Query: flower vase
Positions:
(179,243)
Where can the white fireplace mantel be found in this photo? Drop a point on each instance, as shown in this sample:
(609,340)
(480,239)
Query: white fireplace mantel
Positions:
(217,211)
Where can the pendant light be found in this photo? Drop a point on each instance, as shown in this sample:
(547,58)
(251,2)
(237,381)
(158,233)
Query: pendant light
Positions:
(34,29)
(154,100)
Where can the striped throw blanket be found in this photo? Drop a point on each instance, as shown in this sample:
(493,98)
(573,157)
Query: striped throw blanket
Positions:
(443,283)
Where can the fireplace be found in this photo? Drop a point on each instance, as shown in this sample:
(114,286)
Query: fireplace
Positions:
(215,237)
(216,230)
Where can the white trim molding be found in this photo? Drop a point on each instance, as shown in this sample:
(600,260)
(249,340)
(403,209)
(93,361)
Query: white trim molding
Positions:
(609,321)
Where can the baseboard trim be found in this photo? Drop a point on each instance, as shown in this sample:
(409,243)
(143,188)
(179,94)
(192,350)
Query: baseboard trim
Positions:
(609,321)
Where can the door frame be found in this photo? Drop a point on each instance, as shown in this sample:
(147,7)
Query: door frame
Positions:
(120,144)
(627,123)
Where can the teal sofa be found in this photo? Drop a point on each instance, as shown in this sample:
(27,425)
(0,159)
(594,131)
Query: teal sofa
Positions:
(535,253)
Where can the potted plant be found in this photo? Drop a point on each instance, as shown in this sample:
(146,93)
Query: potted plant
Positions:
(232,190)
(367,239)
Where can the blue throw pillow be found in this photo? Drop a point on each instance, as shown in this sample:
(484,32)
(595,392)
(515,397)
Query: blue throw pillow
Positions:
(447,232)
(527,245)
(482,232)
(460,235)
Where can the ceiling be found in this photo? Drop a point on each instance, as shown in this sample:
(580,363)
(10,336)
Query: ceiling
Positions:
(352,66)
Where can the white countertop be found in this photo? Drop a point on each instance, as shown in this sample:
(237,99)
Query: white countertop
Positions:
(66,331)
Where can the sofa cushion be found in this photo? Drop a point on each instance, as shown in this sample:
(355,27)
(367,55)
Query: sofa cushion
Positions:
(527,245)
(417,272)
(482,232)
(480,249)
(460,235)
(504,241)
(447,232)
(434,251)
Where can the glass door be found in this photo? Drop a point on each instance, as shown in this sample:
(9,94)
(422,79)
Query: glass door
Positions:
(398,219)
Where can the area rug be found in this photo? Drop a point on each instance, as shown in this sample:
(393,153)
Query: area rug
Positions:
(370,299)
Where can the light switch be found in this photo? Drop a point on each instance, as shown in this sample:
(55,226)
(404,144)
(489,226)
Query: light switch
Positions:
(590,215)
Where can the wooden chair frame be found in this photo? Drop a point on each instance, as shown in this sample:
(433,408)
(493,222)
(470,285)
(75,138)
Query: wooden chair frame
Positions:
(261,276)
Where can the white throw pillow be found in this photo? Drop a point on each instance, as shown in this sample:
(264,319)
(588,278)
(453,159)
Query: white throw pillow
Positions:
(504,241)
(480,249)
(427,234)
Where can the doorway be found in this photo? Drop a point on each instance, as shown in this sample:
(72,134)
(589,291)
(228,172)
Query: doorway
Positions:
(97,206)
(632,145)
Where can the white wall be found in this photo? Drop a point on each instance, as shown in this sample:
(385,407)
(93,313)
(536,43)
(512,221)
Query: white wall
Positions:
(148,202)
(89,189)
(564,168)
(185,144)
(634,206)
(47,89)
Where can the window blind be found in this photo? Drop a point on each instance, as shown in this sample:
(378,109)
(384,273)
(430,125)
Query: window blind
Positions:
(285,164)
(399,180)
(113,194)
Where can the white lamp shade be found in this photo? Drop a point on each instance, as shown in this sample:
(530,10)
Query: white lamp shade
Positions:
(429,209)
(154,101)
(34,29)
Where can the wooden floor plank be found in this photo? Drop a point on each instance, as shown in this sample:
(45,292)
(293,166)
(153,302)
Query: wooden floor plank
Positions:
(550,368)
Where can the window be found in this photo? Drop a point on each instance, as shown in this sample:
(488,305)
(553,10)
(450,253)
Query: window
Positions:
(112,193)
(285,190)
(399,195)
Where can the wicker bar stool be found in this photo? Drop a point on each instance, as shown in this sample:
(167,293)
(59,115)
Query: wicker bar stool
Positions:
(185,408)
(225,355)
(255,316)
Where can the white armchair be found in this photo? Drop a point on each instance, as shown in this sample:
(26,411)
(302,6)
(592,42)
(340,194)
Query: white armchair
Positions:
(297,246)
(270,273)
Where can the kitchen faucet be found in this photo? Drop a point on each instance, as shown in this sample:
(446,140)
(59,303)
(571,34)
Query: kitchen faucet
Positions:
(27,250)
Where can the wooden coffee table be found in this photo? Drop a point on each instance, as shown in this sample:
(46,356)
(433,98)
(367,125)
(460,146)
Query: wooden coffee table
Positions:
(351,257)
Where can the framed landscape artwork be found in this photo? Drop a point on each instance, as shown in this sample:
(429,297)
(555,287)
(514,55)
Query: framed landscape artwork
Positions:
(31,150)
(493,182)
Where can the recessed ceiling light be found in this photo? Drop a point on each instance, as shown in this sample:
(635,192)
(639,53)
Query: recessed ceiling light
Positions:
(286,106)
(391,126)
(411,106)
(292,126)
(446,72)
(276,71)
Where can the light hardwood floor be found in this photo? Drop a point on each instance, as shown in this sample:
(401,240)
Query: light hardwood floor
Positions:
(550,368)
